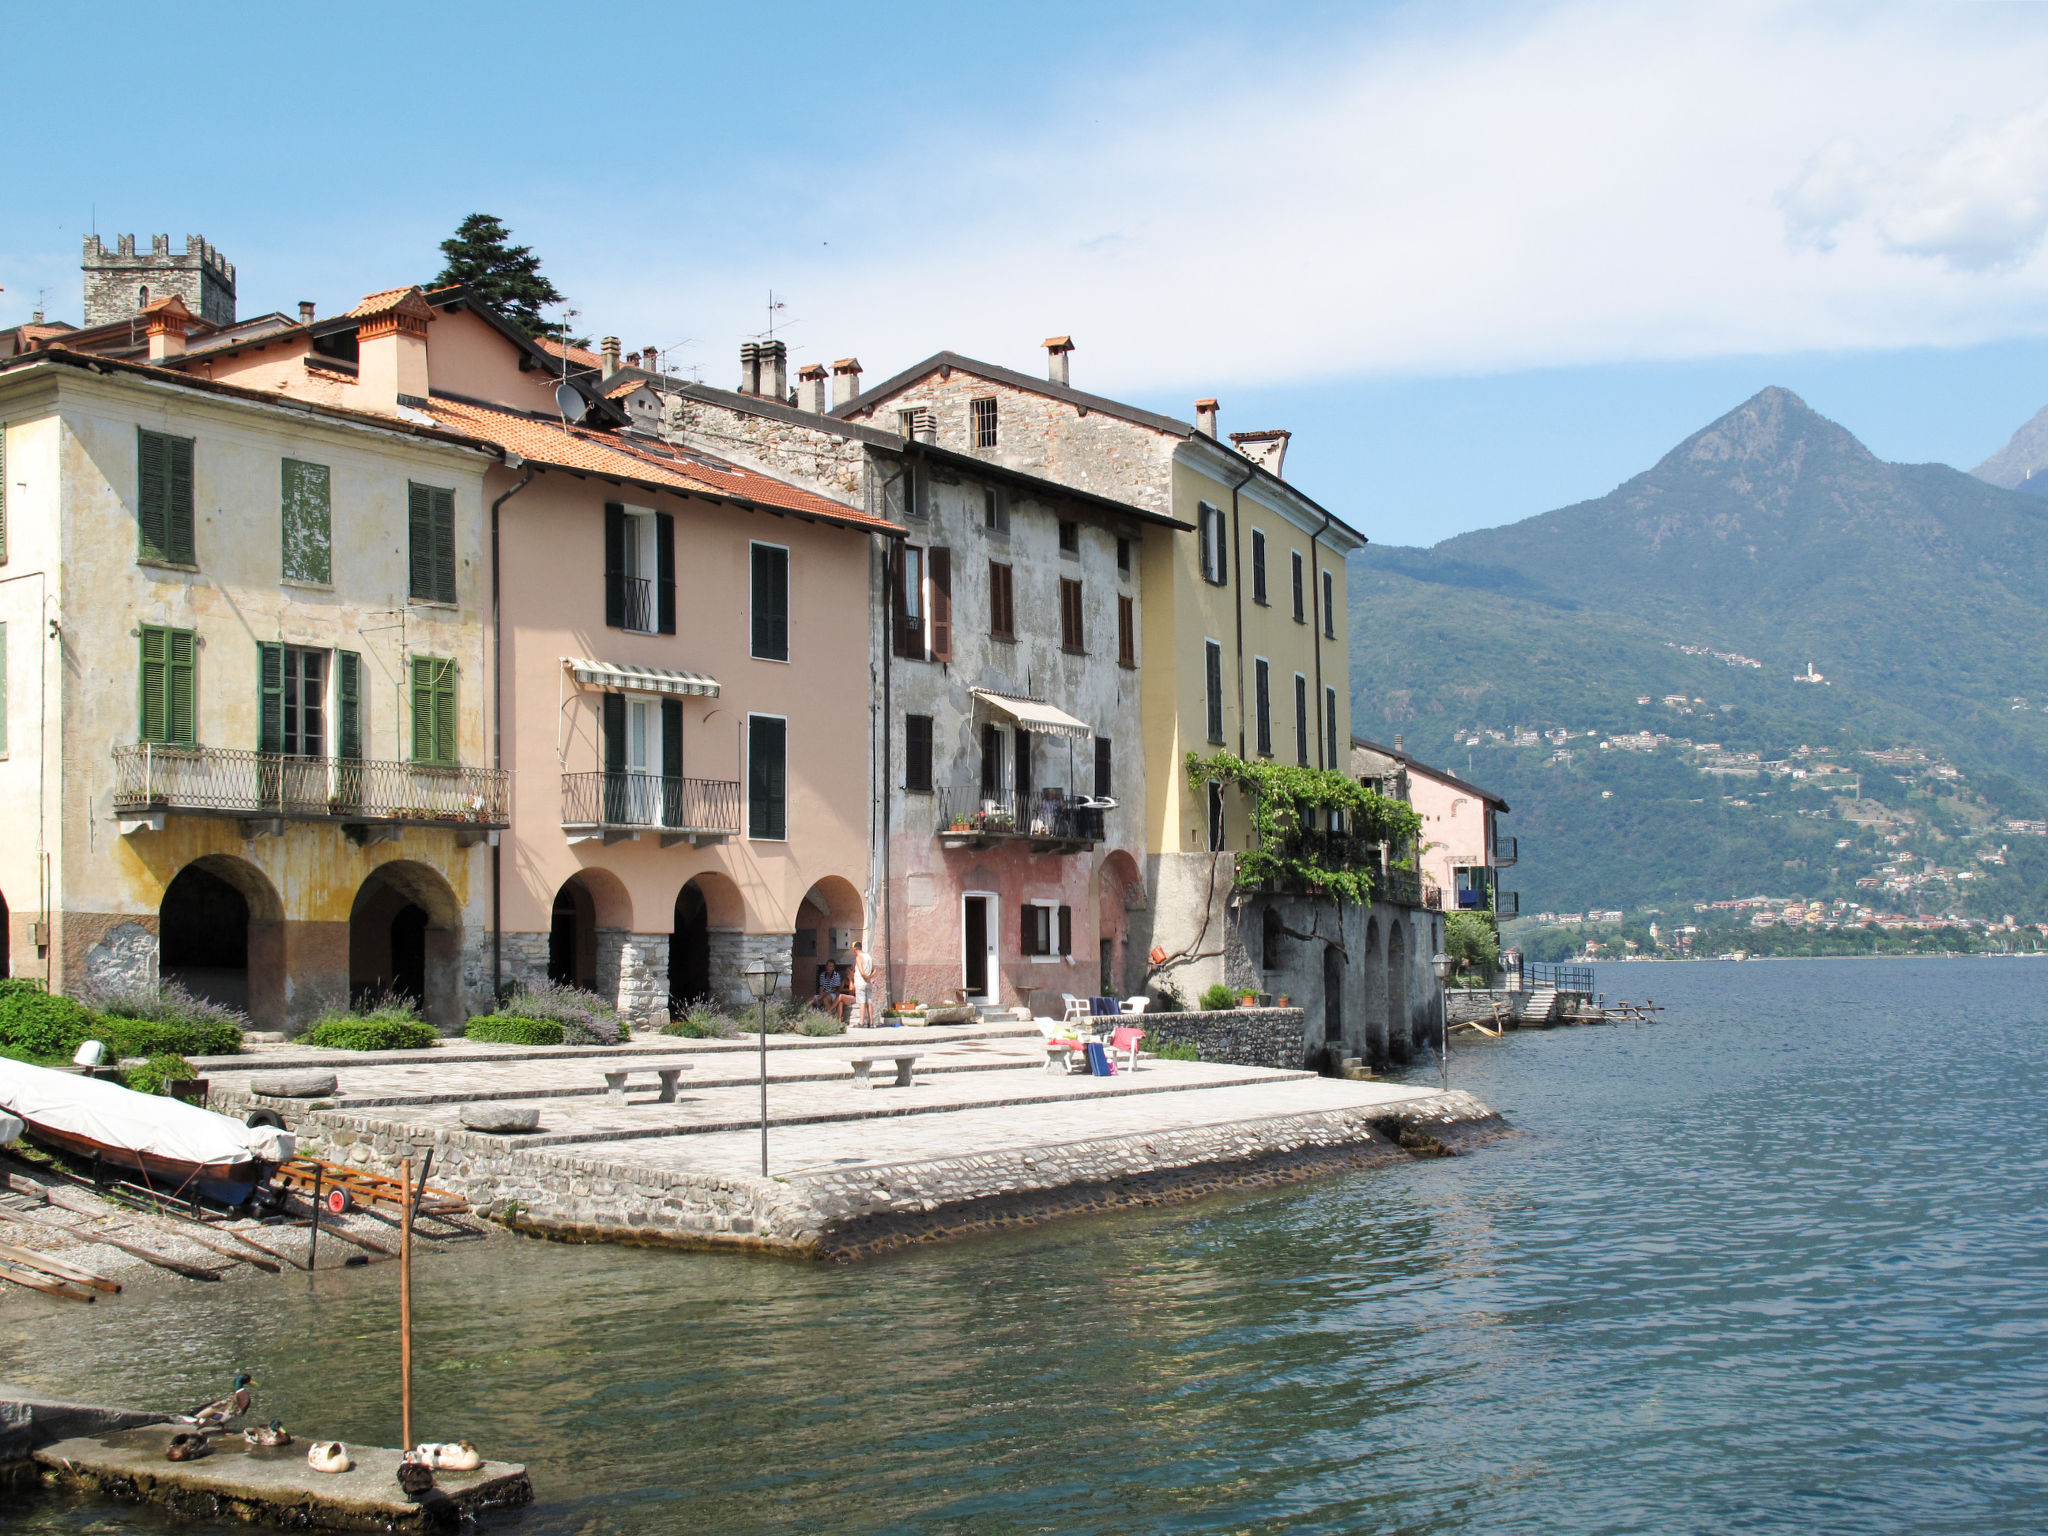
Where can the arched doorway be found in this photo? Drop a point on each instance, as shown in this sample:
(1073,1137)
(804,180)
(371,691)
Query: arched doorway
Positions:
(220,936)
(1372,989)
(829,921)
(1120,889)
(405,940)
(1400,1029)
(1333,995)
(703,947)
(572,937)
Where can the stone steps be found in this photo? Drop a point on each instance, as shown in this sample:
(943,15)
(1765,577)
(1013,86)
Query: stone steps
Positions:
(1540,1008)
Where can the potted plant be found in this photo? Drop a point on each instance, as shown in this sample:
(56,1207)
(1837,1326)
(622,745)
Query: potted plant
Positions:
(1248,1000)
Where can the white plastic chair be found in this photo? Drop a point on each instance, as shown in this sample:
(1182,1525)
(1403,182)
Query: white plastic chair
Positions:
(1079,1010)
(1136,1004)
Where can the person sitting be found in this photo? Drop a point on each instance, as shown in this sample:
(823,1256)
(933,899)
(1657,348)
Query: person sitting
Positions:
(831,986)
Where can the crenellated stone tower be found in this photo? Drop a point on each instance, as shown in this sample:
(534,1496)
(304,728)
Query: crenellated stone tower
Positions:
(118,283)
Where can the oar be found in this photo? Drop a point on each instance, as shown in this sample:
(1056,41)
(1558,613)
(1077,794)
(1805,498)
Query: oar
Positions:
(35,1259)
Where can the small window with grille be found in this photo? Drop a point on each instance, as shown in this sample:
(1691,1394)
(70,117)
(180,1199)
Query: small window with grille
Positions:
(983,416)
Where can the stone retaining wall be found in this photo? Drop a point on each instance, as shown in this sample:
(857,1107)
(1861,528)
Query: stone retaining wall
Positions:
(1237,1037)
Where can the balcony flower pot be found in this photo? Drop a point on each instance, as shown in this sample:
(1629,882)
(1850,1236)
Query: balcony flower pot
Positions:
(1248,1000)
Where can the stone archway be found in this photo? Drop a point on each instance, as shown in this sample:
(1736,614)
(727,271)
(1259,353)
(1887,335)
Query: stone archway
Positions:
(405,940)
(220,936)
(1372,996)
(1400,1026)
(1119,887)
(703,949)
(829,921)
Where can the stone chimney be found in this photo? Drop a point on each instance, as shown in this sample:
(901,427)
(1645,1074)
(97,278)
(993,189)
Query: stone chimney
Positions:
(391,348)
(810,388)
(650,359)
(1267,449)
(1057,349)
(168,321)
(305,311)
(923,423)
(774,357)
(1205,417)
(845,381)
(750,367)
(608,349)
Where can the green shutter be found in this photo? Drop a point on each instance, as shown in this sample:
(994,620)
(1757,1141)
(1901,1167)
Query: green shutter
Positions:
(348,704)
(167,685)
(153,494)
(180,716)
(444,714)
(270,698)
(151,687)
(443,509)
(308,529)
(419,519)
(433,710)
(181,545)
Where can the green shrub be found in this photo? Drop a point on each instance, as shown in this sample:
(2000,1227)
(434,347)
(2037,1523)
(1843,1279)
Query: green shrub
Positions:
(390,1027)
(584,1017)
(1174,1050)
(1166,998)
(39,1025)
(156,1074)
(1219,997)
(509,1029)
(158,1017)
(815,1023)
(151,1037)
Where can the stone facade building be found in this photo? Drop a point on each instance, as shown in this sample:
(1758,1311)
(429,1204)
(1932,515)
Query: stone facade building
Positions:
(121,283)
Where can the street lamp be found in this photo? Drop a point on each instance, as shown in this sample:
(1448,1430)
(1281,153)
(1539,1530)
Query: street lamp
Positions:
(761,979)
(1442,963)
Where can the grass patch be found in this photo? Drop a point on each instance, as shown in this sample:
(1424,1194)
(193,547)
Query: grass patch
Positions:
(1174,1050)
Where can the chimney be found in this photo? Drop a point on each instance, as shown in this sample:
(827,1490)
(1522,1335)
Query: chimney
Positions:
(924,423)
(1268,449)
(1397,741)
(305,311)
(1056,350)
(650,359)
(609,348)
(632,359)
(775,370)
(1205,417)
(750,367)
(845,380)
(810,388)
(167,319)
(391,347)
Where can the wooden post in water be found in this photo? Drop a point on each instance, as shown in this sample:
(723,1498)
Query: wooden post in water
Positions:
(313,1250)
(405,1304)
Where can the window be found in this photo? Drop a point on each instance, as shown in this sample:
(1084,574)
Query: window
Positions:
(1330,726)
(1102,777)
(293,701)
(164,498)
(983,413)
(1259,567)
(1262,678)
(1123,557)
(1002,601)
(907,598)
(1022,740)
(1070,537)
(907,420)
(430,531)
(348,705)
(771,602)
(639,570)
(1330,605)
(1301,719)
(1215,559)
(991,759)
(1300,613)
(308,535)
(940,603)
(1212,686)
(1126,631)
(433,711)
(168,657)
(1215,817)
(1047,930)
(995,510)
(917,752)
(767,777)
(1071,635)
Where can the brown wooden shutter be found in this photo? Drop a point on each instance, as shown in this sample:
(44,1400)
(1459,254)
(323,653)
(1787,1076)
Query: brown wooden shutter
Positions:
(942,603)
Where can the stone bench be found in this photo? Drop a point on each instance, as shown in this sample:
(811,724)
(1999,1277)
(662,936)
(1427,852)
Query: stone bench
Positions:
(863,1068)
(667,1072)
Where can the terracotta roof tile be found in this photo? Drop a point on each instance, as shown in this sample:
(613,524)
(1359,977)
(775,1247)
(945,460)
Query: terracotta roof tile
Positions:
(574,354)
(377,303)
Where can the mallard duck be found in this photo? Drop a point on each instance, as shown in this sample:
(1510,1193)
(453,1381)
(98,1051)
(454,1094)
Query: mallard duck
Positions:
(273,1433)
(187,1447)
(450,1456)
(328,1456)
(223,1411)
(415,1476)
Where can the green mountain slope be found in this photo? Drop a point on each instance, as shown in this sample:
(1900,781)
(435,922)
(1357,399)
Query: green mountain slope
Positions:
(1769,540)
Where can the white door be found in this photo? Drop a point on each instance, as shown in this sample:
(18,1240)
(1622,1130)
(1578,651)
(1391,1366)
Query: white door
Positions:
(980,974)
(643,758)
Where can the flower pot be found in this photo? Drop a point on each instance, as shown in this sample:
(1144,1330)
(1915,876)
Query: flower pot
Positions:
(1248,1001)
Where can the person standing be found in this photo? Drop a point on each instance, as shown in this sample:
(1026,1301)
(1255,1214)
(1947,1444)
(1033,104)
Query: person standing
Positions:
(863,985)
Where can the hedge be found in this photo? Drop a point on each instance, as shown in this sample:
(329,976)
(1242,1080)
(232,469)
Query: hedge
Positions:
(510,1029)
(372,1032)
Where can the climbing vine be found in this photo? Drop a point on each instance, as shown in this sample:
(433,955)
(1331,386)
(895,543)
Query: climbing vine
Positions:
(1296,847)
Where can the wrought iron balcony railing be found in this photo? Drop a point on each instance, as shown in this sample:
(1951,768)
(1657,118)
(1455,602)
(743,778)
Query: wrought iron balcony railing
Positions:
(1398,887)
(1505,851)
(625,804)
(217,781)
(968,813)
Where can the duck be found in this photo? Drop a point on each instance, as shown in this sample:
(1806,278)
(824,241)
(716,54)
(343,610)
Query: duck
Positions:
(187,1447)
(450,1456)
(223,1411)
(273,1433)
(328,1456)
(415,1476)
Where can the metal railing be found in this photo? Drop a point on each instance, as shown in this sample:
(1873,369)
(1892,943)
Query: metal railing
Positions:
(1566,978)
(224,782)
(636,800)
(636,602)
(969,811)
(1505,851)
(1400,887)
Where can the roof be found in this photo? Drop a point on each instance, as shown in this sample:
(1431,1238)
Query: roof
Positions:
(1442,775)
(553,348)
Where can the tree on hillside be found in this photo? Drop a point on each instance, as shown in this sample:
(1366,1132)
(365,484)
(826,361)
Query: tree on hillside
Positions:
(505,276)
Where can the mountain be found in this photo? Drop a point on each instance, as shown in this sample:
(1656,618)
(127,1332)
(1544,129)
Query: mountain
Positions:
(2018,465)
(1623,671)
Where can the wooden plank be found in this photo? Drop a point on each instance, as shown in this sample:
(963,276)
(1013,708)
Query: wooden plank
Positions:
(86,1235)
(189,1231)
(36,1259)
(29,1280)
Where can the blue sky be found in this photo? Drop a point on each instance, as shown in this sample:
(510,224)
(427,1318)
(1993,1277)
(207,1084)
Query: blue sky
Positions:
(1482,259)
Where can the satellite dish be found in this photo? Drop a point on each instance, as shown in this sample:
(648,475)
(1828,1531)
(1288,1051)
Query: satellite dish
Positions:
(570,402)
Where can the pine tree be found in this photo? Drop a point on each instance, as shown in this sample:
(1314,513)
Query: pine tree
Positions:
(505,276)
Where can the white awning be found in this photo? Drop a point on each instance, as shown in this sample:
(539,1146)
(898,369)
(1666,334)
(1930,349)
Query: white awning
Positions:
(1036,715)
(605,674)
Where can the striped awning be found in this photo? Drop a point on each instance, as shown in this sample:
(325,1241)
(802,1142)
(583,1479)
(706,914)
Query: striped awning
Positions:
(605,674)
(1035,715)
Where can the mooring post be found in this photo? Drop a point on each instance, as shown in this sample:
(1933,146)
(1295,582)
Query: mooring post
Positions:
(405,1304)
(313,1251)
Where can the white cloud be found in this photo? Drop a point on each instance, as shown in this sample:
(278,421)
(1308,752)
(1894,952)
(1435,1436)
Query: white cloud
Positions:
(1449,191)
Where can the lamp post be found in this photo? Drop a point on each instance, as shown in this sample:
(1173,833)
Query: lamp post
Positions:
(1441,962)
(761,979)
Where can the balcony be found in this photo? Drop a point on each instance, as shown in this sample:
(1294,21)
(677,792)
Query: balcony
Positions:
(635,598)
(970,817)
(618,807)
(153,781)
(1505,851)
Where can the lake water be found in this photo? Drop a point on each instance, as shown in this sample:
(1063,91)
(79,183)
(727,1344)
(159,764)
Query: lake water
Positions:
(1778,1264)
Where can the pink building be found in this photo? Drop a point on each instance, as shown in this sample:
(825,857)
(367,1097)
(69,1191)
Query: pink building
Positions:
(1462,851)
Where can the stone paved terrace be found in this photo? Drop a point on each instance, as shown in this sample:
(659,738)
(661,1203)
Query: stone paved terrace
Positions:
(985,1137)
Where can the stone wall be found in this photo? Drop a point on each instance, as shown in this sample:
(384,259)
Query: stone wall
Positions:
(1238,1037)
(642,996)
(113,279)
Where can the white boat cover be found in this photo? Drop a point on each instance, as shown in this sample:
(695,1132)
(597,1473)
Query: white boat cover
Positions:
(143,1122)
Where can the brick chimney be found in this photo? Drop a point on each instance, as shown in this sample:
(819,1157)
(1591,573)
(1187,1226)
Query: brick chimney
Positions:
(775,370)
(1057,349)
(810,388)
(1267,449)
(608,349)
(1205,417)
(391,348)
(845,381)
(750,367)
(168,320)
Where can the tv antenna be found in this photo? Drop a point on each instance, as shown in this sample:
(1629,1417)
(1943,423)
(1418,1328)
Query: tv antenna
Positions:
(775,308)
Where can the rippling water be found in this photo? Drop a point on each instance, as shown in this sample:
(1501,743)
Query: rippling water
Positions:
(1779,1264)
